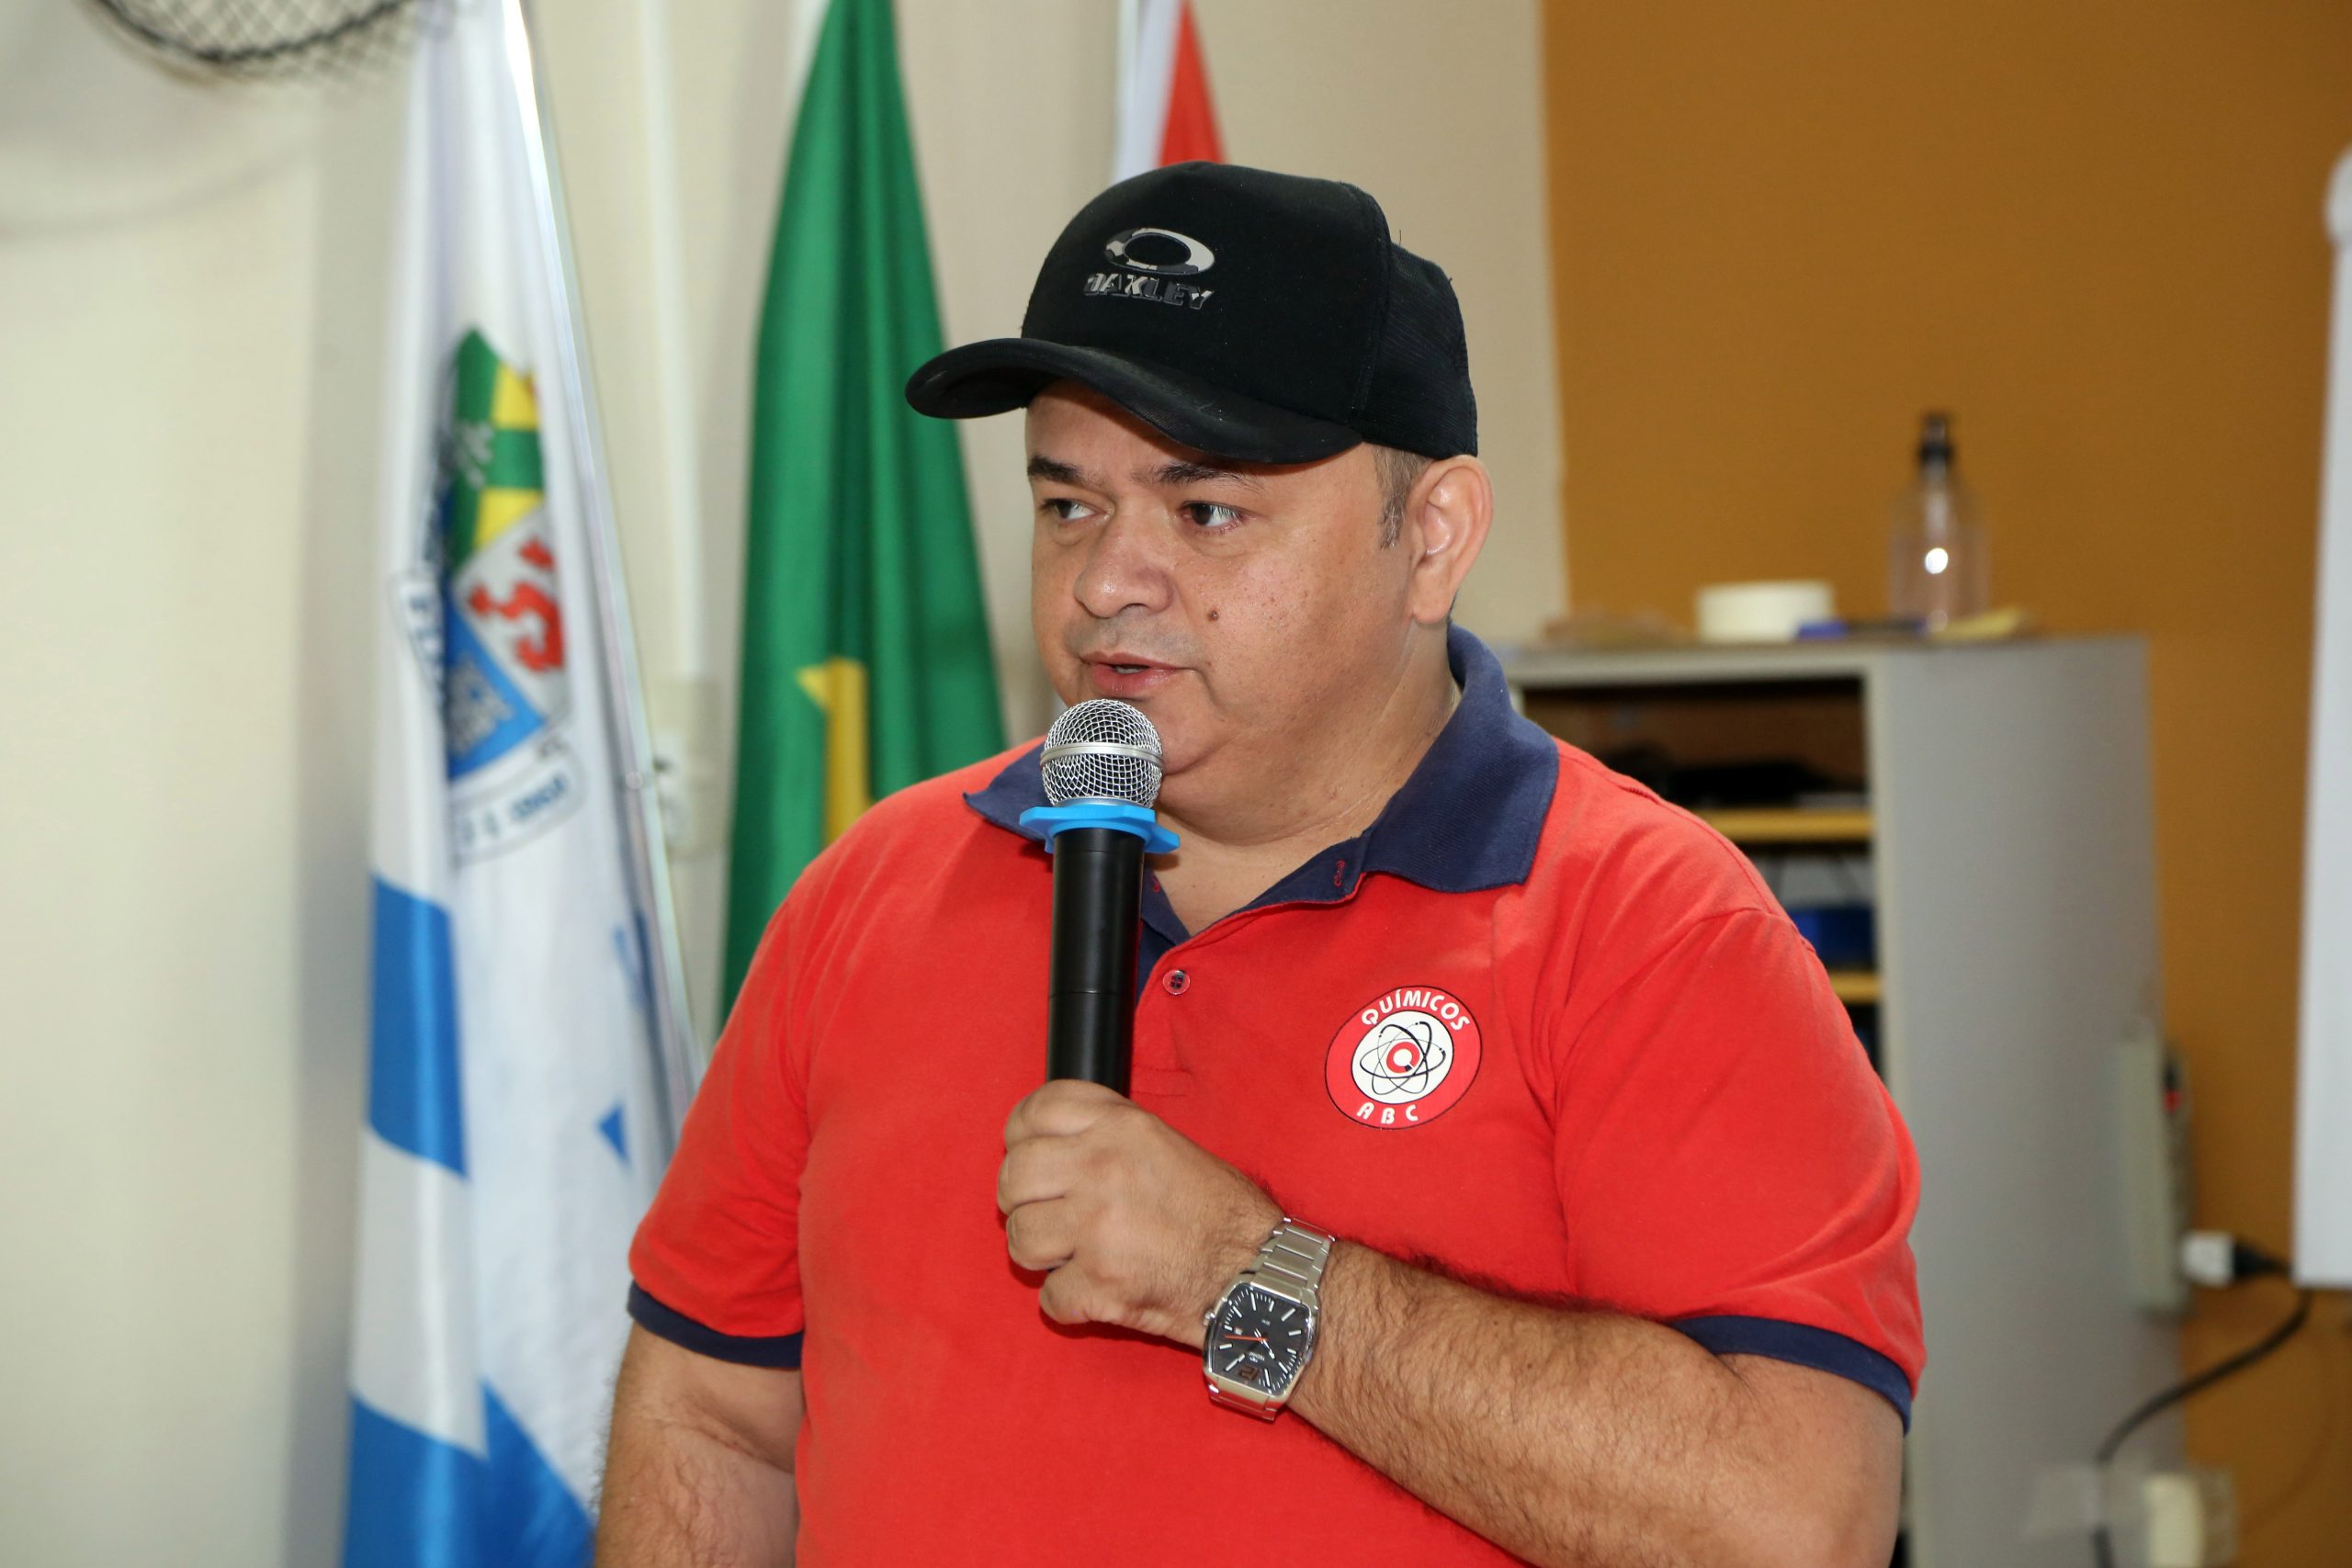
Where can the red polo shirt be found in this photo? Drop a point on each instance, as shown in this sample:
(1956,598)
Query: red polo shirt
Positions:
(1534,1025)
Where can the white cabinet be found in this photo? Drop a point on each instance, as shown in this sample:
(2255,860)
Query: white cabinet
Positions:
(2004,812)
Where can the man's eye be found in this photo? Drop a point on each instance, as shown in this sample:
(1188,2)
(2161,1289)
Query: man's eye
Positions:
(1064,509)
(1209,515)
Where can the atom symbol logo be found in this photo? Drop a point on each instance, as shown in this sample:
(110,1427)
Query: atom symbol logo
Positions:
(1403,1058)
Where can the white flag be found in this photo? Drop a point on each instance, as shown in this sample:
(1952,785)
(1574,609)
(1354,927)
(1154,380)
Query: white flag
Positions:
(1165,112)
(2323,1144)
(515,1134)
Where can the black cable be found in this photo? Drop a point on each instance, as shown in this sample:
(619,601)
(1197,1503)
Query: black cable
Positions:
(2208,1378)
(2159,1404)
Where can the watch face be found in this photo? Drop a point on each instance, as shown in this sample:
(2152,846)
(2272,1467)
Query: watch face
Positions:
(1259,1340)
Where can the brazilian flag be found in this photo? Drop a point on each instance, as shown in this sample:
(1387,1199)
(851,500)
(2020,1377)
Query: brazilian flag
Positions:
(866,664)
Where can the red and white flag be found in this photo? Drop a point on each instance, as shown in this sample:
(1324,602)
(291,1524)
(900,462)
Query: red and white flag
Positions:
(1165,115)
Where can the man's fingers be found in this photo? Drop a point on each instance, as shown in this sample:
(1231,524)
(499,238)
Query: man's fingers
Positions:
(1035,1170)
(1059,1108)
(1040,1235)
(1066,1297)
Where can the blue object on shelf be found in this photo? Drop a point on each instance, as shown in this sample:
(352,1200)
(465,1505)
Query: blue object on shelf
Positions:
(1844,935)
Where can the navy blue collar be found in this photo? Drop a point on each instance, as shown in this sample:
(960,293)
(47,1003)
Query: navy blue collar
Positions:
(1467,820)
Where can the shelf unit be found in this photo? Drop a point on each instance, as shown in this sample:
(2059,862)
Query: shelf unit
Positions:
(1858,988)
(2008,833)
(1792,825)
(1787,828)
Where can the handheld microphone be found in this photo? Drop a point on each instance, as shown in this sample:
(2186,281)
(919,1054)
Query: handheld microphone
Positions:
(1101,767)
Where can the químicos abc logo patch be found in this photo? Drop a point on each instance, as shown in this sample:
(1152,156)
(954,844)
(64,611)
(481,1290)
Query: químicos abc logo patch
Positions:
(1403,1059)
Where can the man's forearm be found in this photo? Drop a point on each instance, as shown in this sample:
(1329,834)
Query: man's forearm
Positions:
(677,1497)
(698,1471)
(1575,1437)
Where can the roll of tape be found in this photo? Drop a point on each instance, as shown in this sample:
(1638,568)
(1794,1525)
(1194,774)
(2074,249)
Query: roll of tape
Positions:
(1761,611)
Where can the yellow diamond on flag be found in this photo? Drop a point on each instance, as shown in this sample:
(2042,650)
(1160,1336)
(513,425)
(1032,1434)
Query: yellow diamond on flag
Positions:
(513,404)
(838,688)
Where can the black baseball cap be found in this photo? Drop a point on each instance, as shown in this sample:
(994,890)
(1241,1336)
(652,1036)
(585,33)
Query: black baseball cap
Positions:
(1249,314)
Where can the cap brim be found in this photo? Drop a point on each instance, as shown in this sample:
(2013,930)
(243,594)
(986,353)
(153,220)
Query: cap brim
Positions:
(1005,372)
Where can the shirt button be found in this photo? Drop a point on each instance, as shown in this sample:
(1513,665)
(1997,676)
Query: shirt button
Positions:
(1175,981)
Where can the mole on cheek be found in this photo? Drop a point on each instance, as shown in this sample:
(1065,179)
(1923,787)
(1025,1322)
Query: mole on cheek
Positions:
(1212,614)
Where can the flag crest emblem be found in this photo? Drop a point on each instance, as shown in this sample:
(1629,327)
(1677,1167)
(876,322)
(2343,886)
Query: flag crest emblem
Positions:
(496,651)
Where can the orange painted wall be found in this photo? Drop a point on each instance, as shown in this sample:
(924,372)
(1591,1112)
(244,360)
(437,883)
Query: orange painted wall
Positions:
(1782,231)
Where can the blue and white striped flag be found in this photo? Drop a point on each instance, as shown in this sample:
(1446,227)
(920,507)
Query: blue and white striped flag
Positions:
(514,1131)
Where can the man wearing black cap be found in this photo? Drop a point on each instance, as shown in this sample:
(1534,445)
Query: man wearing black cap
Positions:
(1488,1116)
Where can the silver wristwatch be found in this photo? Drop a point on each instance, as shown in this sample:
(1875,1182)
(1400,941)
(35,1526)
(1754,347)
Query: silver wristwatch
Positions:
(1261,1331)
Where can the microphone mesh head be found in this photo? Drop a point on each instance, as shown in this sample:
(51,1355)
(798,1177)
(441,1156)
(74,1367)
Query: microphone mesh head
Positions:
(1102,750)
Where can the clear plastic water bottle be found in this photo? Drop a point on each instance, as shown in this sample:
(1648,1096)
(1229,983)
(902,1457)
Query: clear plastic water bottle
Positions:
(1937,570)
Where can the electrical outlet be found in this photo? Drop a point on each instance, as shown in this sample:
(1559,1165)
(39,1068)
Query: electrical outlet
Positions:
(2151,1109)
(2192,1518)
(684,718)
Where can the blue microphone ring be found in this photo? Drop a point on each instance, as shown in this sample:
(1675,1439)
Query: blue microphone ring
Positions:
(1119,815)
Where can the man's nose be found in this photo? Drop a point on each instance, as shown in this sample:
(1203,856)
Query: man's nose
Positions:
(1126,566)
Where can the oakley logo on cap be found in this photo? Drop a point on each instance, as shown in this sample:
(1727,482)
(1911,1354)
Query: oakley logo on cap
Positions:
(1197,258)
(1151,262)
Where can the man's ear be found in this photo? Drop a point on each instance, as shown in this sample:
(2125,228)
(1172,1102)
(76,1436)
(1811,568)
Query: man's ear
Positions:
(1446,518)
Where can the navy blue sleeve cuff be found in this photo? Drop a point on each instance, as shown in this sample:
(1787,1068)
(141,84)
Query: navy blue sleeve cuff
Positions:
(1804,1347)
(782,1350)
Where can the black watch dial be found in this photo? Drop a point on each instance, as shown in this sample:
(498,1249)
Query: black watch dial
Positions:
(1259,1340)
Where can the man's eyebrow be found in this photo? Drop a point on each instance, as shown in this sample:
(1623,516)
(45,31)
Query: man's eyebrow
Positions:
(1183,473)
(1044,467)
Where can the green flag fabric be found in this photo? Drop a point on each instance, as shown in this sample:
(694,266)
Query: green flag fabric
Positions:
(866,664)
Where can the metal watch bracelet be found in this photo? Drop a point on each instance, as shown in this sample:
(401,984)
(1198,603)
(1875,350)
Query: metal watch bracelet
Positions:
(1293,1261)
(1289,1265)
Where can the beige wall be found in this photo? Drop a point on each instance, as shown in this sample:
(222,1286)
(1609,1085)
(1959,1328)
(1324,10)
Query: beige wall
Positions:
(190,295)
(183,548)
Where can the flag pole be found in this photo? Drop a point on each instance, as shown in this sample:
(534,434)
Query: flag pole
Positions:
(668,305)
(678,1056)
(1123,80)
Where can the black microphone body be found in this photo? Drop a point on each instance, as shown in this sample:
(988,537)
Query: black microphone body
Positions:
(1090,994)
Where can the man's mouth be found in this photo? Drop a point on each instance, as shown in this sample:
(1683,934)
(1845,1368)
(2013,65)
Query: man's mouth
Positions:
(1124,674)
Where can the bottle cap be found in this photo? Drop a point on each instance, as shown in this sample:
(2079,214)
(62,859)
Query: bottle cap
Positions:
(1935,441)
